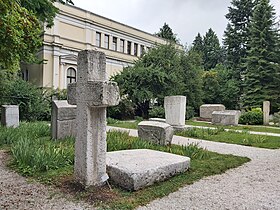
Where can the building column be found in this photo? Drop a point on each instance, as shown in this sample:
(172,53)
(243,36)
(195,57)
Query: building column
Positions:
(102,40)
(125,46)
(93,38)
(118,44)
(139,50)
(110,42)
(56,67)
(132,48)
(88,38)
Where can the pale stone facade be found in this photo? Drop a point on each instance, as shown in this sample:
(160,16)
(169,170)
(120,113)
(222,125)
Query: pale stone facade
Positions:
(76,29)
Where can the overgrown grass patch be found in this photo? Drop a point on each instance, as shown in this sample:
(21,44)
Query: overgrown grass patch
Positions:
(233,137)
(123,124)
(267,129)
(51,162)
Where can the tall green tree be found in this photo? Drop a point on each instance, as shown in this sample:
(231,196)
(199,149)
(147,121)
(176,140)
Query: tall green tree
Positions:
(166,32)
(197,44)
(20,29)
(44,10)
(212,52)
(262,77)
(20,33)
(153,76)
(236,36)
(164,70)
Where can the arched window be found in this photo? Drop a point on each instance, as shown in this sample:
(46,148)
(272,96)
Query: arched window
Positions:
(71,75)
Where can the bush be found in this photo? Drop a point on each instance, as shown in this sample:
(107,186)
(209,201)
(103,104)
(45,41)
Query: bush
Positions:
(253,117)
(157,112)
(190,112)
(276,118)
(124,111)
(34,103)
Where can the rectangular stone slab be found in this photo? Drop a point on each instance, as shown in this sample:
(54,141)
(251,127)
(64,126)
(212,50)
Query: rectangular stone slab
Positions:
(136,169)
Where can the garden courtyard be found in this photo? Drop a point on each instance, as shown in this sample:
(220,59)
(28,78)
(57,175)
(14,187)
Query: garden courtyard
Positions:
(221,176)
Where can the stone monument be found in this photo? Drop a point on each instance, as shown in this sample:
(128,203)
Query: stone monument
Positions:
(266,110)
(92,94)
(175,111)
(206,110)
(227,117)
(156,132)
(10,116)
(63,119)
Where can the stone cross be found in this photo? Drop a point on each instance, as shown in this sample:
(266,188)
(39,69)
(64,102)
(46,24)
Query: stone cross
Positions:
(92,94)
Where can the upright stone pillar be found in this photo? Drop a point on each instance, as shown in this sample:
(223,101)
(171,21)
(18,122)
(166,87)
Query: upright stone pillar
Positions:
(10,116)
(92,94)
(266,110)
(175,110)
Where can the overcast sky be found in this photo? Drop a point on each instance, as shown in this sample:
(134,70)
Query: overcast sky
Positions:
(185,17)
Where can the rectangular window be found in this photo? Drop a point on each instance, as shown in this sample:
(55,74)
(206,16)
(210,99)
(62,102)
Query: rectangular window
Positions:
(106,41)
(98,39)
(141,49)
(128,47)
(122,46)
(115,40)
(135,49)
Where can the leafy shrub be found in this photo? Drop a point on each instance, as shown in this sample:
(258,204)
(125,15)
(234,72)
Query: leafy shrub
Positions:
(34,103)
(123,111)
(276,118)
(190,112)
(253,117)
(157,112)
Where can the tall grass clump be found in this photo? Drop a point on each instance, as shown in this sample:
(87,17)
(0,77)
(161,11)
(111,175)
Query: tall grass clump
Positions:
(118,140)
(42,154)
(34,130)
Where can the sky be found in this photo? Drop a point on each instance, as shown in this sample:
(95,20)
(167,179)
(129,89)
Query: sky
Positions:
(185,17)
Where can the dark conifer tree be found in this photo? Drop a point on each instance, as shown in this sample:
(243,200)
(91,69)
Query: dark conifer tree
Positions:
(236,36)
(167,33)
(212,52)
(262,77)
(198,44)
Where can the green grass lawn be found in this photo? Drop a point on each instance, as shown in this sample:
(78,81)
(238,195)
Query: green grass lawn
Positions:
(34,154)
(220,135)
(267,129)
(232,137)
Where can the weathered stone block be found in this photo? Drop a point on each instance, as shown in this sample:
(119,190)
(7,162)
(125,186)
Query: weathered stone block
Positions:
(206,110)
(157,120)
(156,132)
(175,110)
(136,169)
(63,119)
(227,117)
(10,115)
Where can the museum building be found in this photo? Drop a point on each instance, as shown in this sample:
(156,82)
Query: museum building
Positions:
(76,29)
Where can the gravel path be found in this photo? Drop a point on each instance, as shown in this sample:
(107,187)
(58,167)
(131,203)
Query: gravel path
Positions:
(255,185)
(17,193)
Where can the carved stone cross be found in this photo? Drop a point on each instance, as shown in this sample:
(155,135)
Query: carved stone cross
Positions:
(92,94)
